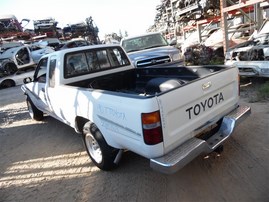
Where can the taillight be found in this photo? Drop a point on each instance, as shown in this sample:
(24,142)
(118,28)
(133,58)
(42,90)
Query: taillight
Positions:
(152,130)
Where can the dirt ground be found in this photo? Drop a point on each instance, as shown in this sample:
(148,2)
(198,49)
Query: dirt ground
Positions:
(46,161)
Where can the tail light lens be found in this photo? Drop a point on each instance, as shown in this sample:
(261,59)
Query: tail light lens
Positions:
(152,130)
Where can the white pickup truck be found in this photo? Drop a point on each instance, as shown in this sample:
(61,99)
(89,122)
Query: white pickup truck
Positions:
(169,114)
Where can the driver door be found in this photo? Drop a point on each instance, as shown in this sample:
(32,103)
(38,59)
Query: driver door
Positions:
(40,84)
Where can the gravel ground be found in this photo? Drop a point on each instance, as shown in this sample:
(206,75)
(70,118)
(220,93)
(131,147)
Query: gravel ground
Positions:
(46,161)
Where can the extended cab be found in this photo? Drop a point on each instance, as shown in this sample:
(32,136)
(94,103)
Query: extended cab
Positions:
(168,114)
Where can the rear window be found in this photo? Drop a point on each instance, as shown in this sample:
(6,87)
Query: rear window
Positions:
(94,60)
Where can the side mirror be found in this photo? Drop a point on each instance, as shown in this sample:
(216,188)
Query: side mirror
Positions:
(27,80)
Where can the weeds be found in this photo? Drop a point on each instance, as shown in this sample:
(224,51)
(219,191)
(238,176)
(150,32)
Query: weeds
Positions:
(263,91)
(254,89)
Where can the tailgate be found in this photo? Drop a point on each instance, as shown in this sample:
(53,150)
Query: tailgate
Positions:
(190,108)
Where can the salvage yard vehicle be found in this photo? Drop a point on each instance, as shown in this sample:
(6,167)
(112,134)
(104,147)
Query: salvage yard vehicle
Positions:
(169,114)
(47,26)
(15,79)
(252,57)
(238,34)
(150,49)
(211,50)
(10,28)
(15,56)
(82,29)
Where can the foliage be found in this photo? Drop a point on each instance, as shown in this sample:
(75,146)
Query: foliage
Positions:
(263,91)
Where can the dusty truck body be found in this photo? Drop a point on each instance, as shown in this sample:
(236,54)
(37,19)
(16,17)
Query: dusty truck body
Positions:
(252,57)
(168,114)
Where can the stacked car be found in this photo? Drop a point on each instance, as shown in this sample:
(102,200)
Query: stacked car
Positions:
(252,57)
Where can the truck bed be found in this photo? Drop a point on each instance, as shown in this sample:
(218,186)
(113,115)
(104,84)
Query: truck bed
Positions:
(149,81)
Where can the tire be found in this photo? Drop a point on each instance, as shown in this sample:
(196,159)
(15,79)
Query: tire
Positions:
(35,113)
(8,83)
(101,154)
(10,68)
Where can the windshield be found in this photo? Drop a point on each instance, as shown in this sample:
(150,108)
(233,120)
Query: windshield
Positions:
(144,42)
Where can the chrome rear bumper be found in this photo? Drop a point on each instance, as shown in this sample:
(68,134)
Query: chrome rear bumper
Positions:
(179,157)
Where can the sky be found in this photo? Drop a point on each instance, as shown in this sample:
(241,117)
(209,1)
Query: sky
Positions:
(110,16)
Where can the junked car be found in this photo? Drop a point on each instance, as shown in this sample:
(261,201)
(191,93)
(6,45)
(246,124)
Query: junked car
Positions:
(15,79)
(15,56)
(193,38)
(11,28)
(252,57)
(239,34)
(211,50)
(47,26)
(77,42)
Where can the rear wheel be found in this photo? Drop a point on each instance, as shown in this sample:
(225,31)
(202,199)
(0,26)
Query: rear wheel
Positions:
(35,113)
(101,154)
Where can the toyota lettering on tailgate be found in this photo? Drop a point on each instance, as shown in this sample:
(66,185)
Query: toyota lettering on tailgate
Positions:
(204,105)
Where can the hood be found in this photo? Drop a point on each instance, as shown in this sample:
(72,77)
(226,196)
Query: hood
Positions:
(152,53)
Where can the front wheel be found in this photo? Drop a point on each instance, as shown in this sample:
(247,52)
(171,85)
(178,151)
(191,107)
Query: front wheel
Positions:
(35,113)
(101,154)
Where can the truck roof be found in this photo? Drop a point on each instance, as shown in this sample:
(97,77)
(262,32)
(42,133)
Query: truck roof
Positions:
(70,50)
(135,36)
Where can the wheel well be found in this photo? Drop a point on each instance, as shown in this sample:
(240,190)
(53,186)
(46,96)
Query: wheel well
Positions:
(10,63)
(8,80)
(80,122)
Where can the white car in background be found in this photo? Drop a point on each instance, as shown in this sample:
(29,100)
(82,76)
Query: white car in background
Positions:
(244,31)
(15,79)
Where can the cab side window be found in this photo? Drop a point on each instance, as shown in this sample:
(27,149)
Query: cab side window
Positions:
(76,64)
(103,59)
(94,60)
